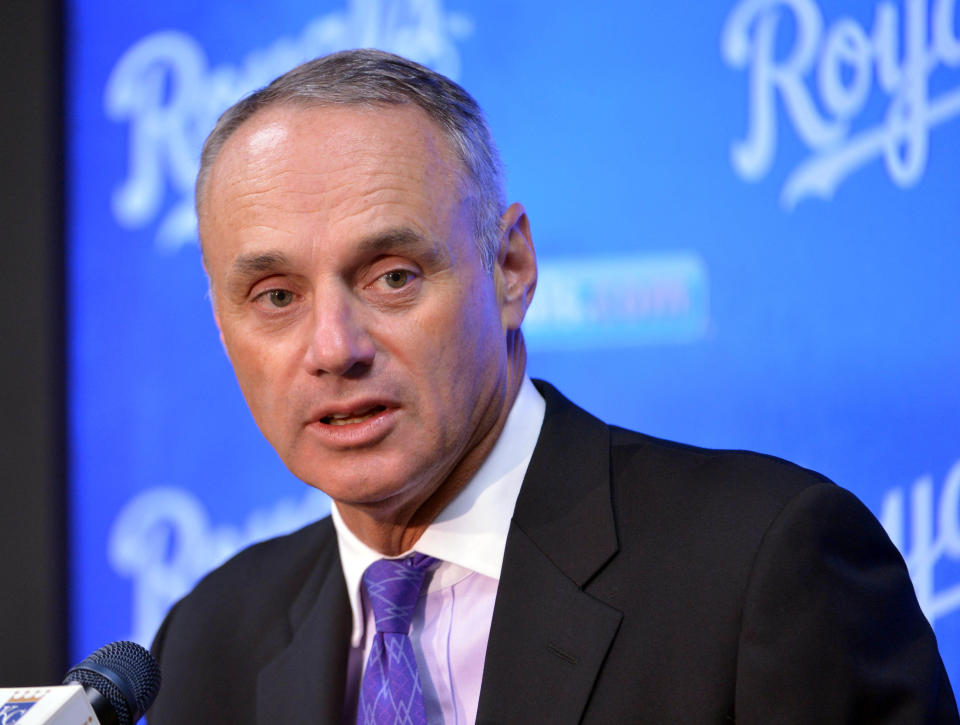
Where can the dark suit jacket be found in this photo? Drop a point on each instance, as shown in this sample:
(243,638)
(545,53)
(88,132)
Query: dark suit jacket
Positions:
(643,581)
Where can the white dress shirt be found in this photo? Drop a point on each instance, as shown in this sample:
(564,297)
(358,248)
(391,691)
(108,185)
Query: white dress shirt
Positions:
(451,623)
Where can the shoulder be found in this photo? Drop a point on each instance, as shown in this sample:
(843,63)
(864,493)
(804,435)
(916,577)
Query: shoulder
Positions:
(253,589)
(670,490)
(215,641)
(734,476)
(732,504)
(278,557)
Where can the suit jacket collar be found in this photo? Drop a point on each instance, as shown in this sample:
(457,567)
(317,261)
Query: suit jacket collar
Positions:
(548,638)
(565,503)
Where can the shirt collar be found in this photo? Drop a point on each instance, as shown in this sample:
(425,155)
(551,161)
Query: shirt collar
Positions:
(471,532)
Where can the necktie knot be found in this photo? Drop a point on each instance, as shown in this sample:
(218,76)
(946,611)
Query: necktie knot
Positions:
(393,587)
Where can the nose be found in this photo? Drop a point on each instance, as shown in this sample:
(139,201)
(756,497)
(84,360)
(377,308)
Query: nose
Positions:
(339,343)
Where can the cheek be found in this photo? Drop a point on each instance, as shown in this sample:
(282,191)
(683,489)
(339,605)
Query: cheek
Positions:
(259,371)
(456,330)
(479,328)
(466,347)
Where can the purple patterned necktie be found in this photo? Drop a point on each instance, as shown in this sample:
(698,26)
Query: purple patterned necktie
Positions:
(390,693)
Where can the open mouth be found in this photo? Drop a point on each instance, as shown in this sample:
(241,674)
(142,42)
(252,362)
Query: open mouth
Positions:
(353,417)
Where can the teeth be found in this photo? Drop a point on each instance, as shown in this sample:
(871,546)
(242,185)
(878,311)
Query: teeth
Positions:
(349,418)
(347,421)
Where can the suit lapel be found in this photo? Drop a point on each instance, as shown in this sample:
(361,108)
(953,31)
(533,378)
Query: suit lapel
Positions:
(548,638)
(306,682)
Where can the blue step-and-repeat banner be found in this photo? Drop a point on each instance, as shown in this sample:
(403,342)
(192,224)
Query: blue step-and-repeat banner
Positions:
(746,213)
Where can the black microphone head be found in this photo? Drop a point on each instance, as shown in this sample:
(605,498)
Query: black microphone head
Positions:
(124,674)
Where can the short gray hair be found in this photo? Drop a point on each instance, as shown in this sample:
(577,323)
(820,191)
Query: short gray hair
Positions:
(373,77)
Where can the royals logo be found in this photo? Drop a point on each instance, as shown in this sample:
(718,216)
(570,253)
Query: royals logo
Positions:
(12,712)
(934,538)
(13,709)
(827,80)
(165,91)
(163,540)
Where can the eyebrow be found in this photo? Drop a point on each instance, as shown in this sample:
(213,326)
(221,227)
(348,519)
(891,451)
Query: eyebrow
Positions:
(248,265)
(398,241)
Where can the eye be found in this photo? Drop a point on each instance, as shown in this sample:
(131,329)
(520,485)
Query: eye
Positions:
(278,297)
(397,278)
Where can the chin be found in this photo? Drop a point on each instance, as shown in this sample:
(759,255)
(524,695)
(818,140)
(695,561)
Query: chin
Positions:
(356,489)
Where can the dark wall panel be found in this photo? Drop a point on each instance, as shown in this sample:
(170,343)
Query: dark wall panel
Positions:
(32,474)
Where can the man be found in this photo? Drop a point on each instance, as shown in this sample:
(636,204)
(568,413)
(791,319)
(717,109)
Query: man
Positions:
(369,283)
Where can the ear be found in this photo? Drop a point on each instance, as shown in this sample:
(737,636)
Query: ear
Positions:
(516,267)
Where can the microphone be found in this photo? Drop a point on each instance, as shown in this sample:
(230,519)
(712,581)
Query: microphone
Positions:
(115,685)
(121,680)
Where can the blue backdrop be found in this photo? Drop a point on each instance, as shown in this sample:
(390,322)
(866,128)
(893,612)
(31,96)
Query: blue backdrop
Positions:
(746,216)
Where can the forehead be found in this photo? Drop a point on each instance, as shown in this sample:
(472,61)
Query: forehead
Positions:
(321,149)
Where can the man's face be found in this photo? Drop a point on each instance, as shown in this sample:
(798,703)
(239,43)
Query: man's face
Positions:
(367,337)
